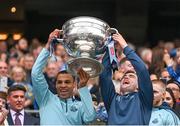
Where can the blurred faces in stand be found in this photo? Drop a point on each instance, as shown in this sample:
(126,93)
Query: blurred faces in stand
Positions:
(28,61)
(175,88)
(169,98)
(3,68)
(21,48)
(146,55)
(61,53)
(3,110)
(3,51)
(159,92)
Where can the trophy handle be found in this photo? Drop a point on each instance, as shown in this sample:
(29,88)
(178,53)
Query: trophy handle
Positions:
(111,31)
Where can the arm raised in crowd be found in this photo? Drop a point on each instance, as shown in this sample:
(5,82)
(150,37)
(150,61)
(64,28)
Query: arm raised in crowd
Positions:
(169,64)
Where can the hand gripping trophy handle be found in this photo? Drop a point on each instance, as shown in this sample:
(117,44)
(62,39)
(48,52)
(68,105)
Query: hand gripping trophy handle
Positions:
(110,32)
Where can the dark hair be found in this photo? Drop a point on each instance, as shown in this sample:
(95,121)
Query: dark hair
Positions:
(157,63)
(3,95)
(65,72)
(175,82)
(16,87)
(172,95)
(123,60)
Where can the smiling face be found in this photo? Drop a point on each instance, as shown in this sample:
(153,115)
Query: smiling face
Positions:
(18,74)
(65,85)
(129,83)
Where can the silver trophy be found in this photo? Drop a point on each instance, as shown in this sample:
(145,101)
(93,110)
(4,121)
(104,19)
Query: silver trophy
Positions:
(84,39)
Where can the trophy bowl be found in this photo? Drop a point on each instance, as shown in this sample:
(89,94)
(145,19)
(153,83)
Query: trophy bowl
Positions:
(83,37)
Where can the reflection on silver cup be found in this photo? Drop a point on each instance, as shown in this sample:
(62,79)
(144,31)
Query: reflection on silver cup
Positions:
(83,37)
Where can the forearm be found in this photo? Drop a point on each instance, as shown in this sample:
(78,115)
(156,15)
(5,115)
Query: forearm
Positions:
(40,85)
(88,109)
(173,74)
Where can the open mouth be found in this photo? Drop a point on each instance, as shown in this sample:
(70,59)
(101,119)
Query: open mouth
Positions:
(125,82)
(63,91)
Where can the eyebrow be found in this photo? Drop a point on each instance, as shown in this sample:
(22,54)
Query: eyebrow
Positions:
(130,72)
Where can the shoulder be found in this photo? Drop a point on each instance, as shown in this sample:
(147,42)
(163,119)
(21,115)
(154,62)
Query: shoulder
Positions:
(167,116)
(31,119)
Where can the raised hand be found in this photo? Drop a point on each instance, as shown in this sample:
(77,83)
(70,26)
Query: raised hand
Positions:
(3,115)
(53,35)
(83,77)
(167,59)
(119,39)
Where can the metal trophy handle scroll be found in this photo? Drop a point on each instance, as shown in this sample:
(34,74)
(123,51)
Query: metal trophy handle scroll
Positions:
(85,39)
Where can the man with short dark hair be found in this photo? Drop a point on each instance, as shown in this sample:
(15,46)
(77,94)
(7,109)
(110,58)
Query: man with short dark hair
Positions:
(16,101)
(63,108)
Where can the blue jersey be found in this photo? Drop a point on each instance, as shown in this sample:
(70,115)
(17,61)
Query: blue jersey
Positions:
(131,109)
(57,111)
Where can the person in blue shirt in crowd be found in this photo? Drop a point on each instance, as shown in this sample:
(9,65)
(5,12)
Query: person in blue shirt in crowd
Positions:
(134,104)
(61,109)
(162,114)
(175,74)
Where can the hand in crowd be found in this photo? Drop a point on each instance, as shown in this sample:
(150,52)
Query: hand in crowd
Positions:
(53,35)
(83,77)
(167,59)
(118,74)
(3,115)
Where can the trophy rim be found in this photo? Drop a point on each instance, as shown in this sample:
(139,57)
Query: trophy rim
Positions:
(70,62)
(73,21)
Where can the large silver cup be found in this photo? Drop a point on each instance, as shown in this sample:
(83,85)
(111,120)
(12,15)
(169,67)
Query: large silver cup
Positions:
(84,39)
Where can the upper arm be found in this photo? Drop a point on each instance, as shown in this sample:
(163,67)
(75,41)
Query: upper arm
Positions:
(87,112)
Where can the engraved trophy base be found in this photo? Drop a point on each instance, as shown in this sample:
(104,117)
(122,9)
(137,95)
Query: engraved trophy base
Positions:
(91,66)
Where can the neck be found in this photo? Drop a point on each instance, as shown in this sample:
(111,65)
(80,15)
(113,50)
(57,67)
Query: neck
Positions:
(124,93)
